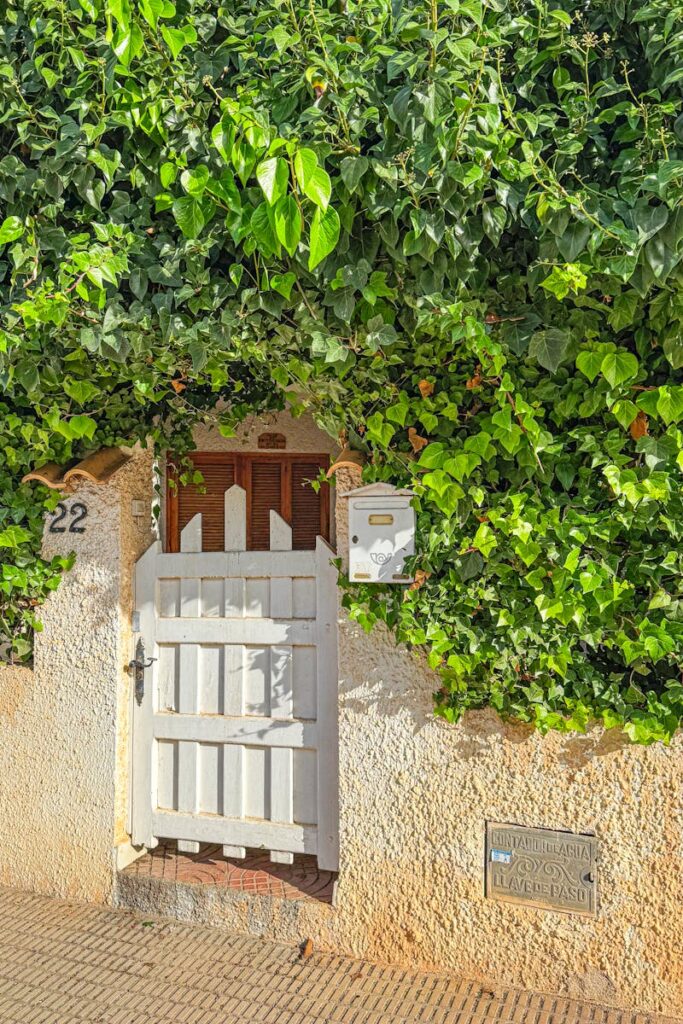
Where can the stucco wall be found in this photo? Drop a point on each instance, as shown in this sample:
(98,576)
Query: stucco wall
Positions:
(63,725)
(301,433)
(416,793)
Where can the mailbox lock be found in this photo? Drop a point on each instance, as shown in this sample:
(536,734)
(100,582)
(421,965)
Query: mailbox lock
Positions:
(354,539)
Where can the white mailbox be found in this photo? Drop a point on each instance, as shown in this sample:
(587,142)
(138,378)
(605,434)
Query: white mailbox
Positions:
(381,534)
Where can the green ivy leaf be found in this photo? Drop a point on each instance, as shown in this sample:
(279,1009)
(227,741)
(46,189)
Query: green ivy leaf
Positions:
(10,229)
(670,403)
(263,228)
(225,190)
(379,430)
(590,363)
(167,174)
(13,536)
(470,566)
(484,540)
(305,166)
(618,367)
(625,412)
(223,137)
(494,219)
(325,228)
(82,391)
(283,283)
(194,181)
(178,38)
(318,188)
(330,347)
(189,216)
(287,219)
(352,170)
(549,347)
(273,177)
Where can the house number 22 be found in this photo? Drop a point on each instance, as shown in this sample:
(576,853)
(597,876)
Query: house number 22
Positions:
(78,512)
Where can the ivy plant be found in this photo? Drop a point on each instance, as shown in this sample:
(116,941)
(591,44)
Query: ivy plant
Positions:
(451,229)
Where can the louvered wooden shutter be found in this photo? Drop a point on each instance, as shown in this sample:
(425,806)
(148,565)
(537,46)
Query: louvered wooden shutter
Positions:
(306,506)
(279,483)
(218,476)
(265,494)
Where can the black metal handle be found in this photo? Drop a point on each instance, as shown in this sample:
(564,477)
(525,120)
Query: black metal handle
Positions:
(137,667)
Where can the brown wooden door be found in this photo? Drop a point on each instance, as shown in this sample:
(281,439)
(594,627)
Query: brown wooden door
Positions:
(279,482)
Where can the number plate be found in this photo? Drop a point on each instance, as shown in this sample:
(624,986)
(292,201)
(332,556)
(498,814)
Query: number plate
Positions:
(69,518)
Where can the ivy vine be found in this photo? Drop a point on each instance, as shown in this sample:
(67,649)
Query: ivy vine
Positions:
(451,229)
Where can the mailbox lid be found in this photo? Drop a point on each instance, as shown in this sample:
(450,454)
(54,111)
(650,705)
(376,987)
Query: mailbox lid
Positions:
(380,488)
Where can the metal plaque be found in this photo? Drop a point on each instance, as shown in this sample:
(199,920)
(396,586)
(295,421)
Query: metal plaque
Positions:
(539,867)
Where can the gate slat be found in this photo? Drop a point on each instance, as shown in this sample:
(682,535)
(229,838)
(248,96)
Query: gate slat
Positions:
(233,793)
(233,696)
(191,535)
(263,835)
(281,692)
(280,533)
(144,789)
(281,796)
(235,518)
(188,705)
(266,564)
(281,598)
(188,693)
(257,732)
(328,703)
(257,631)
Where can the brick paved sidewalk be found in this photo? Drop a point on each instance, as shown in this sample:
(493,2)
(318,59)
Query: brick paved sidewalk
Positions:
(62,963)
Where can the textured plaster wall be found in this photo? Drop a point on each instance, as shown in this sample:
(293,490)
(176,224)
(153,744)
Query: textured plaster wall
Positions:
(63,725)
(302,435)
(416,793)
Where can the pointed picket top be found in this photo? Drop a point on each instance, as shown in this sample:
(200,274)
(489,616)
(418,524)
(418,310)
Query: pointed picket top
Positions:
(148,557)
(235,519)
(280,533)
(191,535)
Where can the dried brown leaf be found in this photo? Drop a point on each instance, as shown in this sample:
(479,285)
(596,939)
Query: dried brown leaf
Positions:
(421,577)
(639,427)
(416,441)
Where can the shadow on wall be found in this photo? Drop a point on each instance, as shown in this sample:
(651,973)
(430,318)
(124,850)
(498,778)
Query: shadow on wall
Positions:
(385,688)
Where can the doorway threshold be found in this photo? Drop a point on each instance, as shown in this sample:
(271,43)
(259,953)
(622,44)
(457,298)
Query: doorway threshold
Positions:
(254,875)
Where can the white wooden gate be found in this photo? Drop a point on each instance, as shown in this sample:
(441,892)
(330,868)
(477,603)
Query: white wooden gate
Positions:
(235,733)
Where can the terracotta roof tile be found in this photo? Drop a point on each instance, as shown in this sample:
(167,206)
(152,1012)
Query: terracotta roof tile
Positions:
(348,458)
(96,468)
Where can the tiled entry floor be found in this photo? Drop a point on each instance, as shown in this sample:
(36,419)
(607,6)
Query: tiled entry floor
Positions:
(255,875)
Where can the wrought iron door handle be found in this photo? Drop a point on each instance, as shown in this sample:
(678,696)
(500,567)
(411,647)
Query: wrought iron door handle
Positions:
(136,667)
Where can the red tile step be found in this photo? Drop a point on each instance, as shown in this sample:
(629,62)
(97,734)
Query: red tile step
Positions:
(255,875)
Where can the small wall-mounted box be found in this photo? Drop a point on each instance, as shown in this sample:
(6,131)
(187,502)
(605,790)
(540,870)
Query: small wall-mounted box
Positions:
(381,534)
